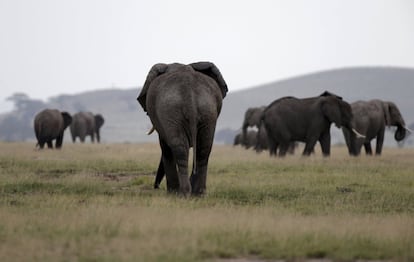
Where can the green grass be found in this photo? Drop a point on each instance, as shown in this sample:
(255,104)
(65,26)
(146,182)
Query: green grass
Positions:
(96,203)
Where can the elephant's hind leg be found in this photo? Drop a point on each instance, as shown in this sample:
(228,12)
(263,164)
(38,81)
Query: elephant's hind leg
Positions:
(283,148)
(204,144)
(180,161)
(169,168)
(309,147)
(160,174)
(181,155)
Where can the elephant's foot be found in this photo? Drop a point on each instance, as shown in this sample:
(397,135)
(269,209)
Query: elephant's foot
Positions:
(199,192)
(185,186)
(172,187)
(198,185)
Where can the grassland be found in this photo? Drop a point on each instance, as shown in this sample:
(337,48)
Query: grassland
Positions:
(96,203)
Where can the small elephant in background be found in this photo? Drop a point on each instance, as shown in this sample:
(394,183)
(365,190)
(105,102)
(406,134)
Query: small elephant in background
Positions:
(247,141)
(370,119)
(252,118)
(183,103)
(49,125)
(86,124)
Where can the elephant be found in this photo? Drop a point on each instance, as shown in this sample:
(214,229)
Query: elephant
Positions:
(370,119)
(238,139)
(308,120)
(248,141)
(252,118)
(183,103)
(86,124)
(49,125)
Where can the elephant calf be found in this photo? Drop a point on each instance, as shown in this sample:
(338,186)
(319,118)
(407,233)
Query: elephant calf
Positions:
(247,141)
(183,103)
(49,125)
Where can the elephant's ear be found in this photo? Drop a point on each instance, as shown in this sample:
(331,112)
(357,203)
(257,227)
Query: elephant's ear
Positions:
(67,119)
(99,120)
(156,70)
(212,71)
(387,115)
(395,115)
(331,110)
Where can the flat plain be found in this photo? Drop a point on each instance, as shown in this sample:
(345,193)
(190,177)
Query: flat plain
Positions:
(95,202)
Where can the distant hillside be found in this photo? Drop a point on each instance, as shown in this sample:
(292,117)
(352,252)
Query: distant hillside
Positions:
(126,122)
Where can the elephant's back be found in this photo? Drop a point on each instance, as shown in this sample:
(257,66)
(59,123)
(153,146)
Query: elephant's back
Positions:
(183,89)
(283,106)
(367,110)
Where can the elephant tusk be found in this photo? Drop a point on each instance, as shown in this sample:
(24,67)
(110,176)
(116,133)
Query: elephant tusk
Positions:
(409,130)
(151,130)
(358,135)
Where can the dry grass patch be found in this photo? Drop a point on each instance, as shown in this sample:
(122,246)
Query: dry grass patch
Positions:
(96,203)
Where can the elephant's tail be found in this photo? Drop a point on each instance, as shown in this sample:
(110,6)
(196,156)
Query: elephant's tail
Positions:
(194,138)
(193,132)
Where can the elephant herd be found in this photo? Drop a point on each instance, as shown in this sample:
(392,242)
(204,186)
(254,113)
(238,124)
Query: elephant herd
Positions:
(183,103)
(289,120)
(50,124)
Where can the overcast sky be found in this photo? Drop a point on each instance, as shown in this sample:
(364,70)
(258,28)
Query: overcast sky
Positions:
(52,47)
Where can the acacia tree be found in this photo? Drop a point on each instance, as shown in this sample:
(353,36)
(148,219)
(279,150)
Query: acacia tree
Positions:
(18,124)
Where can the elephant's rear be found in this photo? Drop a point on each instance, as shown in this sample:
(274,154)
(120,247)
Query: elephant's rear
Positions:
(170,112)
(47,125)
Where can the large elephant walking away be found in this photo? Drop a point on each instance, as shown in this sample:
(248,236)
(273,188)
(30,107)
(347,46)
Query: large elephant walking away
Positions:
(49,125)
(370,119)
(183,103)
(308,120)
(86,124)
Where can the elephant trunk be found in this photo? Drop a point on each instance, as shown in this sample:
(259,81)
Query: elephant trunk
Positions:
(400,133)
(244,129)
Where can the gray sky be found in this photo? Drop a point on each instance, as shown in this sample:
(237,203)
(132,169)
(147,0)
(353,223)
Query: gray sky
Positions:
(52,47)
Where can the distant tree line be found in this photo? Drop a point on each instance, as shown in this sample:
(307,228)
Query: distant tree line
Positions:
(18,124)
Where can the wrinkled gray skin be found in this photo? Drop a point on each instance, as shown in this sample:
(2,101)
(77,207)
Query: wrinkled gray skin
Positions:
(49,125)
(183,103)
(247,141)
(308,120)
(370,119)
(86,124)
